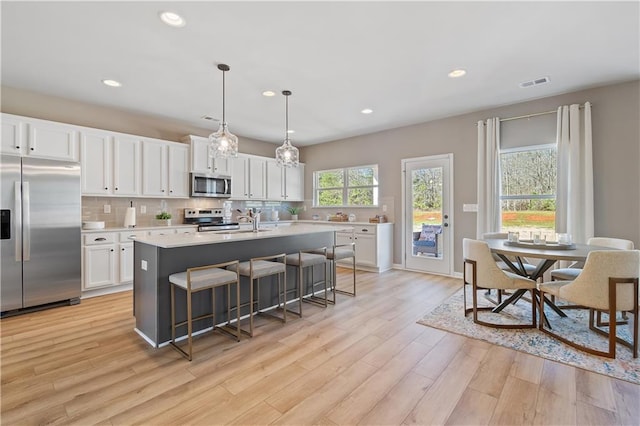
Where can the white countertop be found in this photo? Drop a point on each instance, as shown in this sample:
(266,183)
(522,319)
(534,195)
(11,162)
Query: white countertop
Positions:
(202,238)
(136,228)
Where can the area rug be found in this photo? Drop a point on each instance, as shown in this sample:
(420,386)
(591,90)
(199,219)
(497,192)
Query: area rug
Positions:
(449,316)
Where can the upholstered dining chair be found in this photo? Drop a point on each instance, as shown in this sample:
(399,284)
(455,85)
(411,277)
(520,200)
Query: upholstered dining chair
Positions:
(608,283)
(570,273)
(482,272)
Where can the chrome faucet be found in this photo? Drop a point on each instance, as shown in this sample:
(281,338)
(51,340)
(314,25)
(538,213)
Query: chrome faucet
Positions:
(255,220)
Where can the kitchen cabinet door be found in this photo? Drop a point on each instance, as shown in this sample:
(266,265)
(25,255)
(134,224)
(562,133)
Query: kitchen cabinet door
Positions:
(366,249)
(127,165)
(201,161)
(96,164)
(12,135)
(239,178)
(99,266)
(275,181)
(257,178)
(294,183)
(126,263)
(52,140)
(178,170)
(154,168)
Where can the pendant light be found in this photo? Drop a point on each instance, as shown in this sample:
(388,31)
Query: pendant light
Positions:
(287,154)
(223,144)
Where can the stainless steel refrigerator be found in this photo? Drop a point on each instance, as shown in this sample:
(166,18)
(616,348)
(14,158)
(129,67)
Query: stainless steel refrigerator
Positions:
(40,244)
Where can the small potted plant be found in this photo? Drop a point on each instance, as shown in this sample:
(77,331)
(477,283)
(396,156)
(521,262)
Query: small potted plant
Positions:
(294,212)
(164,218)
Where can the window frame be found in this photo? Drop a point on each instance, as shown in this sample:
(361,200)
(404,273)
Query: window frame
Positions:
(528,148)
(346,187)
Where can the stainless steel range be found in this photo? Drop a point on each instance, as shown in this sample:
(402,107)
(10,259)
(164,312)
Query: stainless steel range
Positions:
(208,219)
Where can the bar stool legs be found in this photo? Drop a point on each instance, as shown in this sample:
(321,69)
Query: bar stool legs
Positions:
(308,259)
(194,280)
(255,269)
(340,252)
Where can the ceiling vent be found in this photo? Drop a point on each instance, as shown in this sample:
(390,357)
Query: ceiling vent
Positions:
(536,82)
(208,117)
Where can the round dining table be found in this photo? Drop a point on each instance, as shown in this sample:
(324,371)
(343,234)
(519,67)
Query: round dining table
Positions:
(548,254)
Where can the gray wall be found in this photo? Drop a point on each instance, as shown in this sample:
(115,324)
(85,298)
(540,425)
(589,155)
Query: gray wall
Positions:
(616,154)
(616,151)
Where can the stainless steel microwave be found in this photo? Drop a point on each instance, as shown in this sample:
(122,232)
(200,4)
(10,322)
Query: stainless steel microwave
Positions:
(210,185)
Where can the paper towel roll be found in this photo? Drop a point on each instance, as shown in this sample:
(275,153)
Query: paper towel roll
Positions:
(130,217)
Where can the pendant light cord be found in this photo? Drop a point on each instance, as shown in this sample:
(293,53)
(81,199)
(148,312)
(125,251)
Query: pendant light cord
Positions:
(223,103)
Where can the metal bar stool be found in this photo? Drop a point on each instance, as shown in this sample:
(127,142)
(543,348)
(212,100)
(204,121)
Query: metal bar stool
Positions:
(257,268)
(308,259)
(340,252)
(194,280)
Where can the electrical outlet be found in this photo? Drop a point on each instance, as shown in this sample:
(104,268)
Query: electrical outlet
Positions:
(143,265)
(304,208)
(107,208)
(384,207)
(143,209)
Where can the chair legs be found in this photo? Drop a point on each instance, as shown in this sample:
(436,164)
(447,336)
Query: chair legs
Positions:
(475,308)
(593,326)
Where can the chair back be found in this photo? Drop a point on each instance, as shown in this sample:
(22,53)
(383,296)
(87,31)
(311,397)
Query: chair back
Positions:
(591,287)
(488,274)
(611,242)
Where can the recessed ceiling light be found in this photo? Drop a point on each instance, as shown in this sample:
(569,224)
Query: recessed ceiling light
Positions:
(367,111)
(173,19)
(457,73)
(111,83)
(268,93)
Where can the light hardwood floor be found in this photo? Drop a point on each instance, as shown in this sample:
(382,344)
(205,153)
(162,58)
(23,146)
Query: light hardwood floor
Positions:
(362,361)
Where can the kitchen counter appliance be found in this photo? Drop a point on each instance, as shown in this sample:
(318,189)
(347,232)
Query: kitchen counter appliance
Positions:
(40,242)
(208,219)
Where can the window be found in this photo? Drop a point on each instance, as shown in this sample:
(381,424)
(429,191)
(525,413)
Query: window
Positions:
(348,187)
(528,190)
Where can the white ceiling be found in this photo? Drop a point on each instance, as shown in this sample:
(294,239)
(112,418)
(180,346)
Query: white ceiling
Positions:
(336,57)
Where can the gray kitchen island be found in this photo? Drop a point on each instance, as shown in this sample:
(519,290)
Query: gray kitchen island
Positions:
(157,257)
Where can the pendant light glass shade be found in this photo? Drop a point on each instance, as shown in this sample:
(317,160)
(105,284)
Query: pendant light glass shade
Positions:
(223,144)
(287,154)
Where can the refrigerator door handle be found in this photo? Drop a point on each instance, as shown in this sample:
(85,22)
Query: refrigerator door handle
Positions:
(26,233)
(17,220)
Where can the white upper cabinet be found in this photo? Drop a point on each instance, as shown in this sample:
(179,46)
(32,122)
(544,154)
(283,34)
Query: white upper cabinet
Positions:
(178,170)
(111,164)
(39,138)
(13,137)
(284,184)
(248,177)
(201,161)
(127,166)
(165,168)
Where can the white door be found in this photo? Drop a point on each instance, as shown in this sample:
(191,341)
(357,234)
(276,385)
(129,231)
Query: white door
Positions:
(427,208)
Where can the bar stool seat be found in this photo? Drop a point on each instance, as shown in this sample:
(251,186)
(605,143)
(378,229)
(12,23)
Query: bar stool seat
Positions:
(308,259)
(198,279)
(260,267)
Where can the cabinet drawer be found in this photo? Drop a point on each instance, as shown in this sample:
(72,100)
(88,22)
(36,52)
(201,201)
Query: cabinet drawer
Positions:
(99,238)
(365,229)
(169,231)
(131,235)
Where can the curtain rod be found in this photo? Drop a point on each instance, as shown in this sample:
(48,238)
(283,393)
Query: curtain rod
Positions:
(533,115)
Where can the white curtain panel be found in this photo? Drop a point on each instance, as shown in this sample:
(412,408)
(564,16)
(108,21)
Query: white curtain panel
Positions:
(488,218)
(574,193)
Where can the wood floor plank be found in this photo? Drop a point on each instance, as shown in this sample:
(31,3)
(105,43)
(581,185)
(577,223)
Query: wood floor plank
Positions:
(473,408)
(442,397)
(353,408)
(394,407)
(363,360)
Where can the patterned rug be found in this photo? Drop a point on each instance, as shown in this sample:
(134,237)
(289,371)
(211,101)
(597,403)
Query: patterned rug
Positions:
(449,316)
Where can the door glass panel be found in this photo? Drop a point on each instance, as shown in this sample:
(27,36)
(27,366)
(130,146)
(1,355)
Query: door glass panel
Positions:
(427,197)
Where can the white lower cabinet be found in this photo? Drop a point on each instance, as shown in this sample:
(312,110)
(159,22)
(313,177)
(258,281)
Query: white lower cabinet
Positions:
(374,246)
(126,262)
(99,260)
